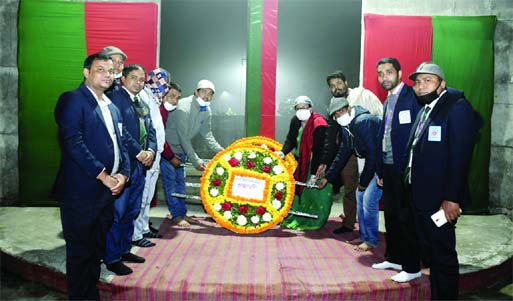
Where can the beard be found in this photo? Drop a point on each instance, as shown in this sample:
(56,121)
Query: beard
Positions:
(340,93)
(389,85)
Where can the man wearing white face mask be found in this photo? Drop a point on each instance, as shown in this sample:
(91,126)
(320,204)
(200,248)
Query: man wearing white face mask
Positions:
(305,140)
(359,137)
(191,117)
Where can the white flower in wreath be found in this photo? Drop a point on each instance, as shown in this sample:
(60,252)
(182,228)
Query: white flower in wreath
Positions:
(276,204)
(227,214)
(280,186)
(267,217)
(220,171)
(264,146)
(227,157)
(217,207)
(252,155)
(268,160)
(242,220)
(238,156)
(255,219)
(277,169)
(214,192)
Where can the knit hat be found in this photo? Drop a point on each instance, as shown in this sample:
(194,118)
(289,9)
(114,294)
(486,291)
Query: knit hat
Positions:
(427,68)
(336,104)
(206,84)
(158,82)
(110,50)
(303,100)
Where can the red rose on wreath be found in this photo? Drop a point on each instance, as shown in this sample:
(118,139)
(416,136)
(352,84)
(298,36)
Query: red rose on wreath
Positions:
(226,206)
(260,210)
(250,164)
(216,182)
(266,169)
(278,195)
(243,209)
(233,162)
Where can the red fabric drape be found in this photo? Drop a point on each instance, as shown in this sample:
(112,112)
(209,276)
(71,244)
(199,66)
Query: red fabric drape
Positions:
(268,68)
(407,38)
(132,27)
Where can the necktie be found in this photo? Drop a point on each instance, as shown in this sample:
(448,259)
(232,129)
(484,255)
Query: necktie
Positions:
(391,100)
(415,138)
(142,126)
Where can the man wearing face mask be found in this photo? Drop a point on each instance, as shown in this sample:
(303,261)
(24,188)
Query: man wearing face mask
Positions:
(401,108)
(439,151)
(192,117)
(155,87)
(306,140)
(360,138)
(358,96)
(118,59)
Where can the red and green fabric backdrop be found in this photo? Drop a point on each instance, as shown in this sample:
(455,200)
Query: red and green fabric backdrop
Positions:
(462,46)
(54,39)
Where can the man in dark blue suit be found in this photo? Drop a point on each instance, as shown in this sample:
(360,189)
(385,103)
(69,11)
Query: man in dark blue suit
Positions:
(438,158)
(400,111)
(141,146)
(93,170)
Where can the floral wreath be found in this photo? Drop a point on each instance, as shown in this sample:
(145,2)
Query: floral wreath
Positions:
(247,188)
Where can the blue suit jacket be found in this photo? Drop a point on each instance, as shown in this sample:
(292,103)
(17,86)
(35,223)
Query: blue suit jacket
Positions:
(86,146)
(122,100)
(440,168)
(400,132)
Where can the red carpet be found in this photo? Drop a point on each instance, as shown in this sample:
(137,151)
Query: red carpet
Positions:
(208,262)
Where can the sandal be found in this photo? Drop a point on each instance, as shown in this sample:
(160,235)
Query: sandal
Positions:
(143,243)
(152,234)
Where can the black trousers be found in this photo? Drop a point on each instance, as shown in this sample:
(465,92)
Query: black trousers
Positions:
(400,235)
(438,252)
(85,225)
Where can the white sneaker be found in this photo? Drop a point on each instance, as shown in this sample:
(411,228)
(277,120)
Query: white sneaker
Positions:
(387,265)
(405,277)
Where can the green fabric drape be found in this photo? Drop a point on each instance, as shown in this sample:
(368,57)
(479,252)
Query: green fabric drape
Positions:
(463,47)
(253,65)
(50,60)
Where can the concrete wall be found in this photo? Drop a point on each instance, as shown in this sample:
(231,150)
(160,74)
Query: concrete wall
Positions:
(8,101)
(501,159)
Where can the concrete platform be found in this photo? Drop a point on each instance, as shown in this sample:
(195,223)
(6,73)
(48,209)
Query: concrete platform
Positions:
(31,244)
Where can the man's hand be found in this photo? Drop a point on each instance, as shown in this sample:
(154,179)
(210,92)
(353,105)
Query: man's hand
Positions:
(379,181)
(323,183)
(361,188)
(452,210)
(321,170)
(146,158)
(109,182)
(175,161)
(118,188)
(201,167)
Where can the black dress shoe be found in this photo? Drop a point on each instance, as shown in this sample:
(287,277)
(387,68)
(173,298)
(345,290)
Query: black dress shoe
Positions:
(342,229)
(119,268)
(129,257)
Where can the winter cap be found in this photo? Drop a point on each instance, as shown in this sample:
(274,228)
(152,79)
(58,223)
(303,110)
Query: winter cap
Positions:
(303,100)
(110,50)
(158,82)
(336,104)
(427,68)
(206,84)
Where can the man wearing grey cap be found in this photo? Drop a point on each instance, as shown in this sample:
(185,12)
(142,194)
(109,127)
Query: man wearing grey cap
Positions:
(439,151)
(358,96)
(118,59)
(359,137)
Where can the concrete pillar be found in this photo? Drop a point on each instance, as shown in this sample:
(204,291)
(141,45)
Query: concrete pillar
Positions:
(8,102)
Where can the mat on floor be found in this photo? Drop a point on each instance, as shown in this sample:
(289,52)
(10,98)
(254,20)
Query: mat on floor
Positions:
(208,262)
